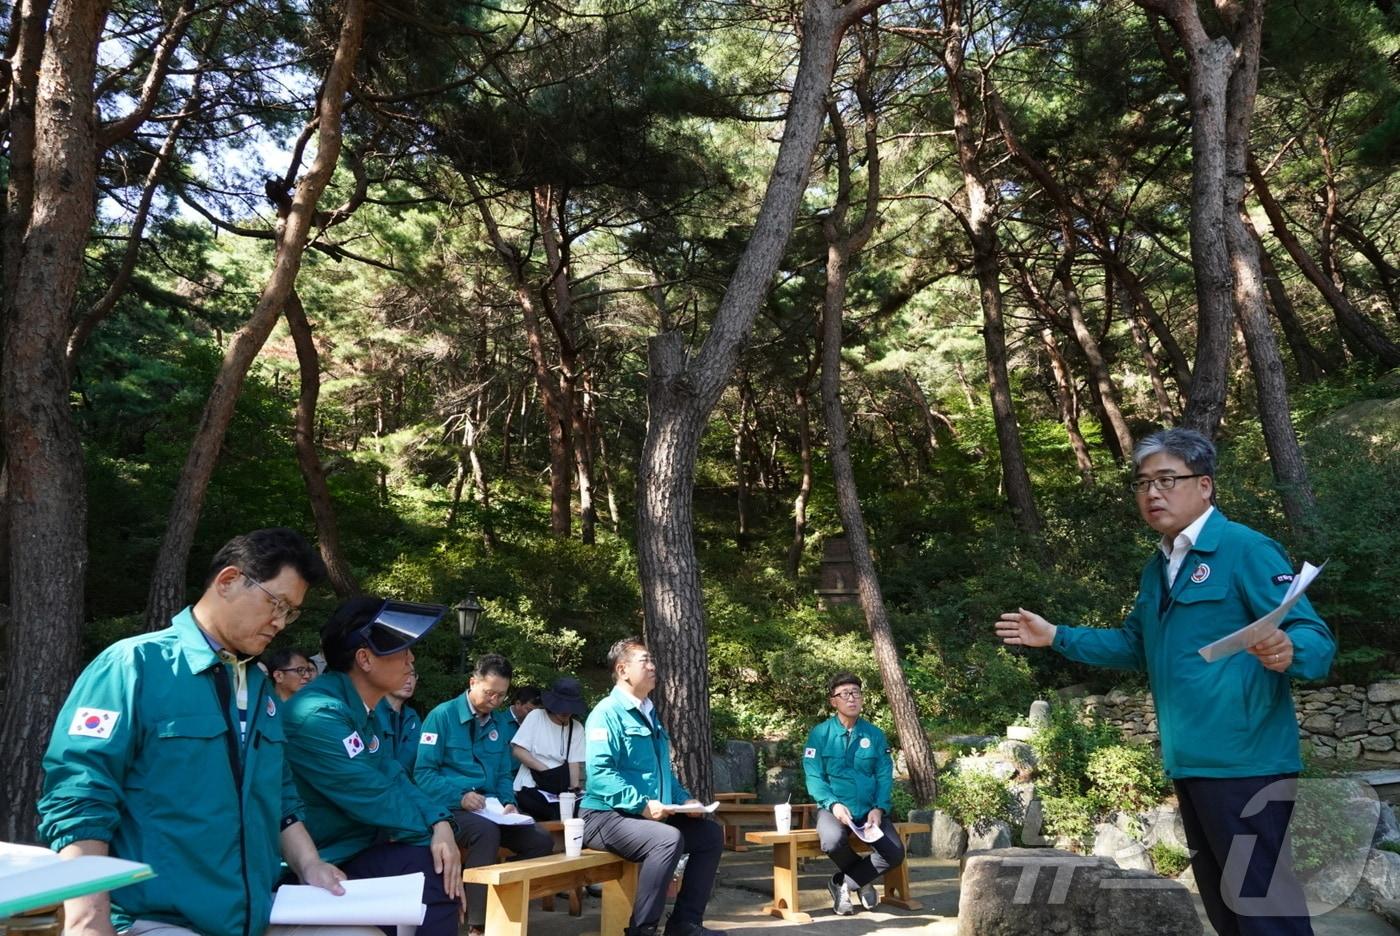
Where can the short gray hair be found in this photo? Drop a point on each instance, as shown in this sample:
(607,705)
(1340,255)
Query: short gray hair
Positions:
(1190,446)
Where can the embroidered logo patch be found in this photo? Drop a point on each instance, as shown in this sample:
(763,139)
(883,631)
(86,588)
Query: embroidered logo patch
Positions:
(1201,574)
(428,737)
(865,742)
(271,708)
(93,723)
(373,743)
(810,752)
(1282,579)
(494,734)
(353,744)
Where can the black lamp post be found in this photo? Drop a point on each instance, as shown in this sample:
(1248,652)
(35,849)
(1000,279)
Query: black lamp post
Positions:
(468,616)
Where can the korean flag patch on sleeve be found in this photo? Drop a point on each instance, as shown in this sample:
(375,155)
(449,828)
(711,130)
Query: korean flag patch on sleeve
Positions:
(428,737)
(353,744)
(93,723)
(809,752)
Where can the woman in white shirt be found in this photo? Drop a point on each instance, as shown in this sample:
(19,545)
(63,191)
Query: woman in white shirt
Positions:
(549,746)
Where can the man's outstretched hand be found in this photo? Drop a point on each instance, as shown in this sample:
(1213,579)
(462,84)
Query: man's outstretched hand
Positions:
(1022,628)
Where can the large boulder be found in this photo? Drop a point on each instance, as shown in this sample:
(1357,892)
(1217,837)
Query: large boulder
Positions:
(1039,891)
(1163,824)
(920,844)
(948,838)
(1040,715)
(1387,828)
(735,767)
(779,784)
(988,835)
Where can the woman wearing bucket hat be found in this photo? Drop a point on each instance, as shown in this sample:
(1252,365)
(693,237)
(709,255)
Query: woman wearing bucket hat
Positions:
(549,746)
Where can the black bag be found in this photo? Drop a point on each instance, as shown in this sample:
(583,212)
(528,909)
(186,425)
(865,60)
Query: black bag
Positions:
(555,780)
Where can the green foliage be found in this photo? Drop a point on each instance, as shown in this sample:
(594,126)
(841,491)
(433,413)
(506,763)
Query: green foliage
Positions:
(1065,748)
(1072,815)
(1127,777)
(1389,845)
(1168,860)
(975,798)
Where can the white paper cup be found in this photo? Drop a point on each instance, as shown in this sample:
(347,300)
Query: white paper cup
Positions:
(566,805)
(573,837)
(782,817)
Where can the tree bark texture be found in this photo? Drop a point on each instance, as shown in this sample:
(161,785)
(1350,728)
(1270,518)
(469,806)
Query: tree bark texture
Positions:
(45,489)
(682,391)
(1068,400)
(1311,364)
(804,485)
(980,224)
(308,459)
(168,583)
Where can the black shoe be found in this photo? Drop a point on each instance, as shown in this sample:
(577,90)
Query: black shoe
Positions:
(840,898)
(640,930)
(691,929)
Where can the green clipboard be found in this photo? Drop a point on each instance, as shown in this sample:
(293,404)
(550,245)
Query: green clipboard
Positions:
(32,877)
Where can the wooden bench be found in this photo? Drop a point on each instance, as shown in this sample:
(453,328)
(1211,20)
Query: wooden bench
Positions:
(512,885)
(735,797)
(555,828)
(790,847)
(736,817)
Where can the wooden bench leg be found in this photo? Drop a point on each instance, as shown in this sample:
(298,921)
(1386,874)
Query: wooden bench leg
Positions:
(785,884)
(507,909)
(576,902)
(618,897)
(897,888)
(547,903)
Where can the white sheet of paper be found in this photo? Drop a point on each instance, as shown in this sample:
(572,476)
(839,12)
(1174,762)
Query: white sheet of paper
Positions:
(692,808)
(385,901)
(1251,634)
(32,877)
(497,814)
(866,833)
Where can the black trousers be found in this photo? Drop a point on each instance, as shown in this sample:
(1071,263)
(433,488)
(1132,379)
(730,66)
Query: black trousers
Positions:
(481,839)
(393,858)
(858,871)
(657,846)
(1242,863)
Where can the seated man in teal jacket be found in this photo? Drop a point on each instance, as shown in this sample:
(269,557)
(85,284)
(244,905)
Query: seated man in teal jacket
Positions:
(1229,731)
(360,803)
(399,723)
(169,751)
(850,775)
(463,758)
(629,787)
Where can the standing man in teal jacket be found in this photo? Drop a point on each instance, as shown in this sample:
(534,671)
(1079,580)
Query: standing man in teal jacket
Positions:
(1229,731)
(169,751)
(463,758)
(399,723)
(630,786)
(850,775)
(360,803)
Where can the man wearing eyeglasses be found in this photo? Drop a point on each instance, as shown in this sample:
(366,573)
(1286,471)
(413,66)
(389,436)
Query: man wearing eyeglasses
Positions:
(169,751)
(290,671)
(464,758)
(361,806)
(850,775)
(1229,730)
(399,723)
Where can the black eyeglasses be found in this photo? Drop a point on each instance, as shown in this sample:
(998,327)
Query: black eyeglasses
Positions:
(850,695)
(397,626)
(1164,483)
(305,672)
(280,608)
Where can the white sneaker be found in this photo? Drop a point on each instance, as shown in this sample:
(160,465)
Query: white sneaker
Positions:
(868,898)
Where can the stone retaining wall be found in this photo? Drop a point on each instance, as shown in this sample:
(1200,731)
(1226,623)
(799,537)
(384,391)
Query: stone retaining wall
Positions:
(1341,722)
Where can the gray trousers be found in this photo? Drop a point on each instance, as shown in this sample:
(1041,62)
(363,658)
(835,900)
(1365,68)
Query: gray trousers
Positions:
(657,847)
(858,871)
(480,840)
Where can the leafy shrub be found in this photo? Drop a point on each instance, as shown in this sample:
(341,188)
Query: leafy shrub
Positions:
(1168,860)
(1064,748)
(1389,845)
(1330,821)
(976,799)
(1072,815)
(1127,777)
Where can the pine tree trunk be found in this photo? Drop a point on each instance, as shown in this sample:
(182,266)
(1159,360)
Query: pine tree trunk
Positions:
(317,492)
(741,471)
(1068,401)
(804,487)
(1311,365)
(168,582)
(46,492)
(682,391)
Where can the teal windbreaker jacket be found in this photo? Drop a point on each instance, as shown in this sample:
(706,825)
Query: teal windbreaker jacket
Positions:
(627,758)
(859,775)
(355,792)
(143,757)
(1231,718)
(400,731)
(456,756)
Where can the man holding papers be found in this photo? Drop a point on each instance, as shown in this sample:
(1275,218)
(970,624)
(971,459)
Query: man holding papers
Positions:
(464,764)
(169,751)
(361,806)
(1228,728)
(630,786)
(850,775)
